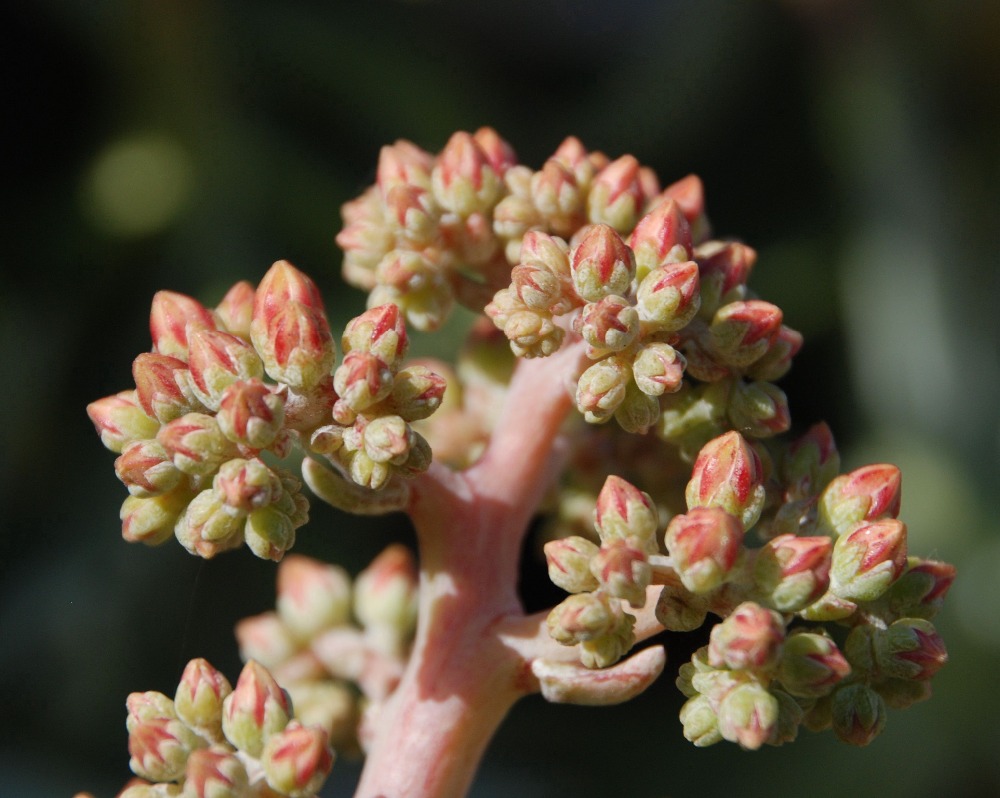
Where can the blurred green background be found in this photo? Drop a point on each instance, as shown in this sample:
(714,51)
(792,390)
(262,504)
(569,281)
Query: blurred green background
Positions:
(189,144)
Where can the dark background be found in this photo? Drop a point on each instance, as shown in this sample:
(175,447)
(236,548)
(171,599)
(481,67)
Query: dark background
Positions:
(188,144)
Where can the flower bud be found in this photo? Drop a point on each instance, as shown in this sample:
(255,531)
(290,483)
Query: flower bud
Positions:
(199,697)
(910,648)
(159,381)
(680,610)
(265,639)
(172,319)
(120,420)
(741,332)
(793,572)
(411,210)
(858,714)
(236,309)
(362,380)
(701,725)
(463,180)
(569,563)
(388,439)
(281,286)
(749,639)
(810,462)
(403,163)
(417,284)
(601,388)
(608,325)
(385,593)
(498,152)
(668,296)
(143,789)
(296,346)
(312,596)
(658,369)
(255,710)
(269,533)
(532,334)
(663,235)
(920,591)
(748,715)
(537,286)
(245,485)
(584,616)
(217,360)
(297,760)
(605,650)
(215,773)
(380,331)
(417,392)
(616,195)
(776,361)
(158,742)
(868,559)
(704,546)
(208,527)
(623,570)
(514,217)
(811,665)
(624,512)
(865,494)
(602,264)
(638,411)
(759,409)
(724,270)
(151,520)
(557,196)
(251,414)
(551,252)
(689,194)
(146,469)
(728,474)
(332,706)
(196,443)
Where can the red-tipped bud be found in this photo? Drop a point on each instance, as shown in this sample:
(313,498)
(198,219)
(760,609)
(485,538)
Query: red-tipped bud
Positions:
(662,235)
(574,156)
(236,309)
(217,360)
(151,520)
(250,413)
(608,325)
(280,286)
(759,409)
(171,320)
(793,572)
(810,462)
(704,546)
(410,209)
(920,591)
(601,388)
(728,474)
(498,152)
(158,386)
(158,742)
(362,380)
(196,443)
(689,194)
(556,194)
(385,596)
(624,512)
(569,563)
(296,347)
(602,264)
(463,180)
(246,485)
(616,195)
(120,420)
(255,710)
(199,697)
(776,361)
(741,332)
(417,392)
(811,665)
(749,639)
(865,494)
(297,760)
(583,617)
(748,715)
(380,331)
(545,250)
(146,469)
(858,714)
(669,296)
(215,773)
(910,648)
(537,287)
(724,270)
(403,163)
(868,559)
(312,596)
(623,570)
(658,369)
(265,639)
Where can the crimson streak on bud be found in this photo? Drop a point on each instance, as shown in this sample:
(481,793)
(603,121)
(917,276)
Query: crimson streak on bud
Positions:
(750,639)
(910,648)
(199,697)
(793,572)
(867,560)
(172,318)
(741,332)
(146,469)
(569,563)
(616,195)
(250,413)
(463,180)
(669,296)
(662,234)
(236,309)
(811,665)
(865,494)
(215,773)
(810,462)
(297,760)
(623,511)
(217,360)
(255,710)
(380,331)
(623,570)
(728,474)
(158,381)
(120,420)
(602,264)
(704,545)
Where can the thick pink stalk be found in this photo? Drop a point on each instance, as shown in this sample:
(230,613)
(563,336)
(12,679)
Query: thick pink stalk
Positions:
(463,675)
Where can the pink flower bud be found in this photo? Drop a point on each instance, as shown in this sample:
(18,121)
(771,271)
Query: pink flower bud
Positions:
(723,270)
(569,563)
(236,309)
(246,485)
(146,469)
(616,195)
(120,420)
(312,596)
(265,639)
(380,331)
(417,392)
(573,155)
(759,409)
(410,209)
(858,714)
(159,381)
(910,648)
(297,760)
(623,570)
(868,559)
(385,595)
(296,347)
(810,462)
(255,710)
(151,520)
(865,494)
(704,546)
(811,665)
(608,325)
(748,715)
(158,742)
(463,180)
(365,241)
(499,153)
(362,380)
(556,194)
(669,297)
(199,697)
(749,639)
(196,443)
(661,235)
(689,194)
(728,474)
(793,572)
(624,512)
(172,318)
(537,287)
(602,264)
(251,414)
(583,617)
(544,250)
(601,388)
(403,163)
(215,773)
(776,361)
(741,332)
(217,360)
(658,369)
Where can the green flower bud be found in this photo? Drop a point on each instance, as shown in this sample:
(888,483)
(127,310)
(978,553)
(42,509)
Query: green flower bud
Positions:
(297,760)
(602,387)
(196,443)
(255,710)
(679,610)
(199,697)
(701,725)
(910,648)
(605,650)
(658,369)
(858,714)
(868,559)
(602,264)
(146,469)
(584,616)
(269,533)
(811,665)
(151,520)
(748,716)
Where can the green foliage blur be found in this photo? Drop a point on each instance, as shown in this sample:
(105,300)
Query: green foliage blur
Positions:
(189,144)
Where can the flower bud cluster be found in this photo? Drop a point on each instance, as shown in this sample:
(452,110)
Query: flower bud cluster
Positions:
(377,398)
(194,434)
(327,634)
(215,741)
